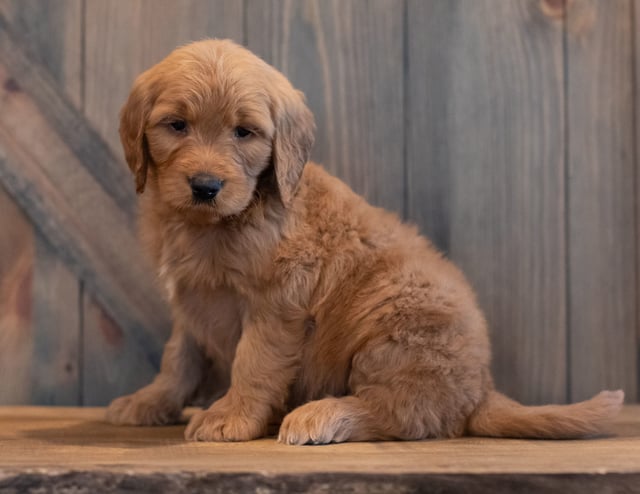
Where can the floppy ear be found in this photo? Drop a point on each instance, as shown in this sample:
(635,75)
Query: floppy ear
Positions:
(133,120)
(292,143)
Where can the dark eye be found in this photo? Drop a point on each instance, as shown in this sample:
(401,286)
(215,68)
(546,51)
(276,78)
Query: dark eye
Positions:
(242,132)
(178,125)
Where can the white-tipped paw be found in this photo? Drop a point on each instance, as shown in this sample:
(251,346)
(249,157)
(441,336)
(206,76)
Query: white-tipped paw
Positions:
(317,422)
(224,422)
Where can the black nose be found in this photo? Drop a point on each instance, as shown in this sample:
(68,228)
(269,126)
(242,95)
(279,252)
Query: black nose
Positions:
(204,187)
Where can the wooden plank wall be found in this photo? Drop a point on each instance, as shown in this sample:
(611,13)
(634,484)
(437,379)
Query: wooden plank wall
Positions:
(507,131)
(602,220)
(485,162)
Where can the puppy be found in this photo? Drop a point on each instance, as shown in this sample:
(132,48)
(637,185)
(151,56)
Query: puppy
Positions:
(291,296)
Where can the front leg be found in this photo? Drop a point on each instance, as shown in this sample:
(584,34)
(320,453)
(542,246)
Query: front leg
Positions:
(162,401)
(265,364)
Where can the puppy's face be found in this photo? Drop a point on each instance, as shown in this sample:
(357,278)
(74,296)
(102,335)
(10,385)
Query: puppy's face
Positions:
(203,125)
(208,145)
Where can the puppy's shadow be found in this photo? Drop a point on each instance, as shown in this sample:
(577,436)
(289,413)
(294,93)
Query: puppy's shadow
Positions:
(98,433)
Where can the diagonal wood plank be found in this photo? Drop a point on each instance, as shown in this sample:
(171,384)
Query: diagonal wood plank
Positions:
(78,218)
(54,40)
(602,238)
(89,148)
(62,370)
(485,171)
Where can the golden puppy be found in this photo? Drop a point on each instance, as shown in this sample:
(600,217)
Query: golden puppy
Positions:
(291,296)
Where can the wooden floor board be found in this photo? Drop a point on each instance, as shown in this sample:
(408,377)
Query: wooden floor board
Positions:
(59,446)
(59,437)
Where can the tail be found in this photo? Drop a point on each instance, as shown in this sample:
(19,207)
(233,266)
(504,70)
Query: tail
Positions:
(499,416)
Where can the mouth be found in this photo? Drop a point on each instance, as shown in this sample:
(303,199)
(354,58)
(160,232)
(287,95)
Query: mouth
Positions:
(200,213)
(199,202)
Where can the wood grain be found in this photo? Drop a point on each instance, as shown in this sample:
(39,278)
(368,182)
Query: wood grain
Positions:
(53,37)
(125,38)
(53,40)
(79,219)
(114,364)
(602,249)
(347,58)
(16,275)
(73,449)
(636,93)
(65,119)
(234,483)
(485,171)
(451,112)
(56,330)
(65,363)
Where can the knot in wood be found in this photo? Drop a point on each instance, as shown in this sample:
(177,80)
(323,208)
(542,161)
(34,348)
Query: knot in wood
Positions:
(554,8)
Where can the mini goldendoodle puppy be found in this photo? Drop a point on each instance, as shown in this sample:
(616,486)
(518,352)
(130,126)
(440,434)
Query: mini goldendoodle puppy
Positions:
(291,296)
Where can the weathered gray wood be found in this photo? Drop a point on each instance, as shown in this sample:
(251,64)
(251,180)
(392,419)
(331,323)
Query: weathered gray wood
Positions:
(26,74)
(485,152)
(636,30)
(125,38)
(56,330)
(602,248)
(16,271)
(113,363)
(53,38)
(485,172)
(83,223)
(347,58)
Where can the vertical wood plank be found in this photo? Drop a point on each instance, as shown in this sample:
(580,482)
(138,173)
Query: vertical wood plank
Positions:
(125,38)
(485,171)
(16,274)
(56,330)
(53,38)
(636,94)
(122,40)
(347,57)
(114,365)
(602,238)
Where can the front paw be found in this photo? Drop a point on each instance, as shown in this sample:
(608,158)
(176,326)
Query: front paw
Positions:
(142,408)
(224,421)
(325,421)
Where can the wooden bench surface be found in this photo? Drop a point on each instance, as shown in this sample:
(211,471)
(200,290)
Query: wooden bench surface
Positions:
(68,447)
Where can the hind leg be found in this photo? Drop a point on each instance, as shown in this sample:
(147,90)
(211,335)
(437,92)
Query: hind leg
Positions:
(401,388)
(381,415)
(330,420)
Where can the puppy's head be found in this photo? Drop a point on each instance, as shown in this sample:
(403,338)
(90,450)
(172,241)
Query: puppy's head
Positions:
(204,124)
